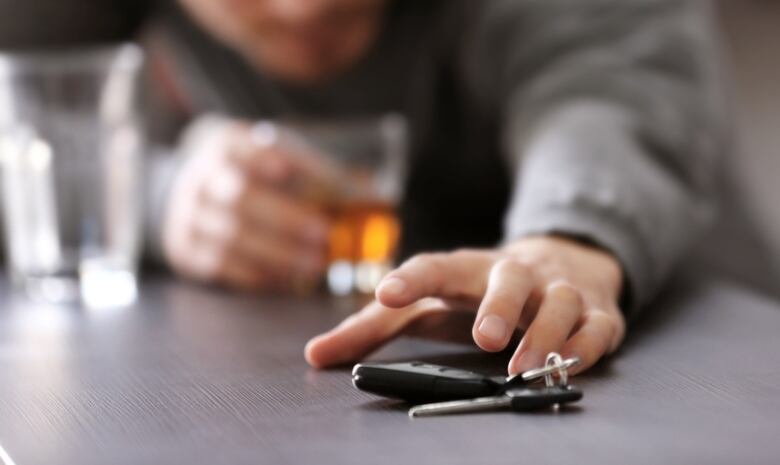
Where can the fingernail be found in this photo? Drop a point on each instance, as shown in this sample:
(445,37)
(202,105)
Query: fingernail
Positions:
(310,353)
(392,286)
(493,327)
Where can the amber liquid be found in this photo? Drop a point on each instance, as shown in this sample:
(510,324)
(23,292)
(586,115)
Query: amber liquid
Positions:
(364,232)
(363,241)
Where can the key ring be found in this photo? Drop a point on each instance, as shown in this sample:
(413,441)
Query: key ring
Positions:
(548,369)
(555,361)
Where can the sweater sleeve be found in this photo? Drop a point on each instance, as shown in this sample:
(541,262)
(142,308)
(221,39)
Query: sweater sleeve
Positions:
(610,122)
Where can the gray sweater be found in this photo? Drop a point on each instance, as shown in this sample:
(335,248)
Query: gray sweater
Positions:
(591,118)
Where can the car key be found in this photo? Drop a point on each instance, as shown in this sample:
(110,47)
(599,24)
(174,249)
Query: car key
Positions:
(418,382)
(517,399)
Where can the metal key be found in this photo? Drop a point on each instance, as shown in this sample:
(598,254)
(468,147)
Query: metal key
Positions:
(518,399)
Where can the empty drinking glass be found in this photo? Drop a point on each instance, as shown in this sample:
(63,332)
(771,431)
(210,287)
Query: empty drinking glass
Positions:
(71,147)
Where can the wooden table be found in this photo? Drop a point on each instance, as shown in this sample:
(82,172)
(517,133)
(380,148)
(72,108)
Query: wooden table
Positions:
(195,376)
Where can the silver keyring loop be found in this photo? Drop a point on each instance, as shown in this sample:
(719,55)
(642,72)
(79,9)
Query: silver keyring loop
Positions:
(538,373)
(554,360)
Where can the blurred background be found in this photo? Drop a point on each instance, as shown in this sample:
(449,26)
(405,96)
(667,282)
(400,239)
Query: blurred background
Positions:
(745,242)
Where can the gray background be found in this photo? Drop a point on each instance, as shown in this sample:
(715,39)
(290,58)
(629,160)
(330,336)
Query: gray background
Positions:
(749,228)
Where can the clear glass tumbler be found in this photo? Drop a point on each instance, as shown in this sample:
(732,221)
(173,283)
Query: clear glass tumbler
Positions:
(71,148)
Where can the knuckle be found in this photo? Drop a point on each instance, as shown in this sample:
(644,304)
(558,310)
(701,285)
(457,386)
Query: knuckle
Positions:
(599,317)
(227,186)
(419,259)
(566,292)
(466,254)
(610,324)
(426,261)
(513,267)
(476,257)
(618,324)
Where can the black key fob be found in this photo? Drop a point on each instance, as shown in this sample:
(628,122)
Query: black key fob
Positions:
(419,382)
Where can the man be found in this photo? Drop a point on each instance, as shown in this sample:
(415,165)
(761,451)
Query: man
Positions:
(587,126)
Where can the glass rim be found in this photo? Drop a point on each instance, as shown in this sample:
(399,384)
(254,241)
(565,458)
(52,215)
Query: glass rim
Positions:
(124,56)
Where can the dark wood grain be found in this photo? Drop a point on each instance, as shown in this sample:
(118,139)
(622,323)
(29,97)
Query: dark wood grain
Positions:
(195,376)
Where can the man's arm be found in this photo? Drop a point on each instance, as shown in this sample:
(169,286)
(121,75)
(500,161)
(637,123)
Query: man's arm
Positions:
(611,123)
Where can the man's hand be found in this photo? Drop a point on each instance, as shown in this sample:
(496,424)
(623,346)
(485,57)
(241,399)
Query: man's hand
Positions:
(232,218)
(562,294)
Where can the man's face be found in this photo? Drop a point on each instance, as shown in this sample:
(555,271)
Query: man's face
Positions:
(296,40)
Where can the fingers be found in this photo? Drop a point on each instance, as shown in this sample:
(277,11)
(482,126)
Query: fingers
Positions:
(600,333)
(277,155)
(231,271)
(270,166)
(561,309)
(223,228)
(354,338)
(509,286)
(363,332)
(232,238)
(459,275)
(510,295)
(567,304)
(245,262)
(265,208)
